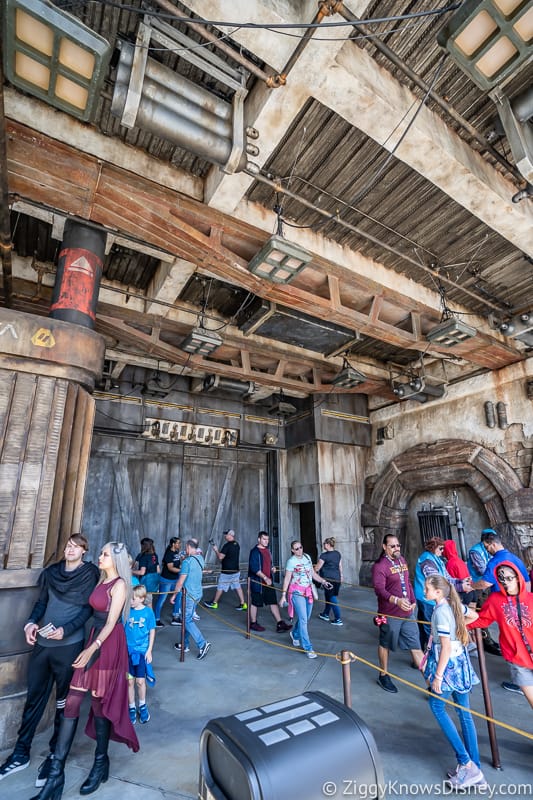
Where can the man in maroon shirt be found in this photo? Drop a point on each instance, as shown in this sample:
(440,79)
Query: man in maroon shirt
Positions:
(260,572)
(396,601)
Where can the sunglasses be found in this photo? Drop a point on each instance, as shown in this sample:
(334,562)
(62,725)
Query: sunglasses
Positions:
(507,578)
(298,547)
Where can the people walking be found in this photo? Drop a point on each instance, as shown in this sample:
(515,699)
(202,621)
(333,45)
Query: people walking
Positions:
(397,604)
(329,566)
(298,592)
(230,576)
(55,631)
(170,570)
(260,572)
(140,635)
(101,669)
(451,677)
(190,579)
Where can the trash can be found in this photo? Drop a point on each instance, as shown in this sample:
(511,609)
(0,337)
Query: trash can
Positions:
(308,746)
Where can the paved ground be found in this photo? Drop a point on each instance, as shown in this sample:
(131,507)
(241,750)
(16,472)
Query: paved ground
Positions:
(238,674)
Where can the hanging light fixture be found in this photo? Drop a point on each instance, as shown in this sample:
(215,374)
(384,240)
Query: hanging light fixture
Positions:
(200,340)
(278,260)
(490,39)
(348,377)
(450,331)
(54,56)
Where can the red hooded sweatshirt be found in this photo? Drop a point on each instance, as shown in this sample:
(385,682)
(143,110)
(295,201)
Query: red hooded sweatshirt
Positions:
(454,564)
(511,613)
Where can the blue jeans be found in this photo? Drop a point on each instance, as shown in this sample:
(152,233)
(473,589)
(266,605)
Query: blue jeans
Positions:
(303,610)
(332,600)
(463,752)
(165,586)
(191,628)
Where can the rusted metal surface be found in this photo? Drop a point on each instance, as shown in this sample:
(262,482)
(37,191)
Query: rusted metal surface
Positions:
(50,346)
(135,205)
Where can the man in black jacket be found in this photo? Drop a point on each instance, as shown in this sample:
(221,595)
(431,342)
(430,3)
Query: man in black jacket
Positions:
(56,632)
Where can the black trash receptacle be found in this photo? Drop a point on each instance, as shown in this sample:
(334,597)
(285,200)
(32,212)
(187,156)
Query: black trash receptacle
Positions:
(308,746)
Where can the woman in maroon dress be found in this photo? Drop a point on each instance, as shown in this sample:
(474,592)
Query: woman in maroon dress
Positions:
(101,669)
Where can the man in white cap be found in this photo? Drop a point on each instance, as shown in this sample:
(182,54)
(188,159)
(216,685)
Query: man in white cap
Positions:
(230,575)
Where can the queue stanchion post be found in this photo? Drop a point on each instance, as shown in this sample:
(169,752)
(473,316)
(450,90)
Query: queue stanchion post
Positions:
(182,637)
(346,677)
(248,596)
(487,699)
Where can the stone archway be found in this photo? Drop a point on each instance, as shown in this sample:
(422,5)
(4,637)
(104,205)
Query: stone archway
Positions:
(446,463)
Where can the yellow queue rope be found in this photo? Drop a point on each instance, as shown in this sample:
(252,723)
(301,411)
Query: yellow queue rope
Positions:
(354,657)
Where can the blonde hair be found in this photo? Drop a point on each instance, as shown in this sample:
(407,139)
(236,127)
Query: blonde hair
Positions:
(454,601)
(331,541)
(140,592)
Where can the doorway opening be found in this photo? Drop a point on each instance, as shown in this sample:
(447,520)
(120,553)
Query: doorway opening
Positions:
(308,530)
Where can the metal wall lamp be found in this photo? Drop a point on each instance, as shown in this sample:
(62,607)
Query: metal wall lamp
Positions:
(490,39)
(279,261)
(201,342)
(450,332)
(417,389)
(519,328)
(54,56)
(348,377)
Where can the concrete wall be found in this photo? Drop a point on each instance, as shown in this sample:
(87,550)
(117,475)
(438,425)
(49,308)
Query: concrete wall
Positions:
(461,416)
(332,476)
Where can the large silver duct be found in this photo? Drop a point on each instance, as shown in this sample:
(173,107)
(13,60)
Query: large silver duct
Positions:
(154,98)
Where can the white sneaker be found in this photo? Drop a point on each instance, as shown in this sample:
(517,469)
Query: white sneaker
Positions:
(196,617)
(467,776)
(311,654)
(295,641)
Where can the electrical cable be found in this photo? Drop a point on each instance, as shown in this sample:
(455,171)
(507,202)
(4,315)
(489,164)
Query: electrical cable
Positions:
(279,26)
(362,193)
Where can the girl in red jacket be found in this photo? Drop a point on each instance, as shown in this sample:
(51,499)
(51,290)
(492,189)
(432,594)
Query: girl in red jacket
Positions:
(512,608)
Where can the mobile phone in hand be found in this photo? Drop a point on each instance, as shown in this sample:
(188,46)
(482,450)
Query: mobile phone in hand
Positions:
(46,630)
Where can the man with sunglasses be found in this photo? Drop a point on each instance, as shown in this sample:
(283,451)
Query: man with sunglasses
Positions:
(397,606)
(511,607)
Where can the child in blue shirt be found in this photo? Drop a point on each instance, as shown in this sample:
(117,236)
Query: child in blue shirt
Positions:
(140,635)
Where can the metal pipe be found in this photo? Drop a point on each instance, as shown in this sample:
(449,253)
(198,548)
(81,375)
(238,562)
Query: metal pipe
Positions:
(489,711)
(249,602)
(420,82)
(460,526)
(273,81)
(346,678)
(325,10)
(523,105)
(277,187)
(6,244)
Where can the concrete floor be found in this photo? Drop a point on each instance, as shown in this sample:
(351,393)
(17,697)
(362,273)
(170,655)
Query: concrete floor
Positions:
(238,674)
